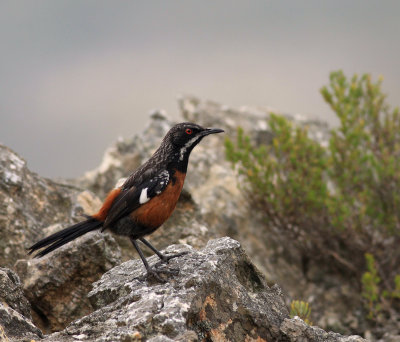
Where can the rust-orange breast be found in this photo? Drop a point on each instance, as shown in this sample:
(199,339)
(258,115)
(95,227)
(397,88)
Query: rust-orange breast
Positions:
(156,211)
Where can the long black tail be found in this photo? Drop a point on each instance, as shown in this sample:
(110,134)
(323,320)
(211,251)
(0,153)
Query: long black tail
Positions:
(64,236)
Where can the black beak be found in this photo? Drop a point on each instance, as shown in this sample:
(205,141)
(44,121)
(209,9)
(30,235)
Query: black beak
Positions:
(208,131)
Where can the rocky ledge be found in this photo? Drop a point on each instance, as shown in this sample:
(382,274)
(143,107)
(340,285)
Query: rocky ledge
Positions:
(218,295)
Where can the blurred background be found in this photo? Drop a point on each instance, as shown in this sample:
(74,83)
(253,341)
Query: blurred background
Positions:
(76,75)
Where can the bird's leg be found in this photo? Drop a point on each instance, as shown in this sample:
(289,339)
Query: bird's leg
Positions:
(151,271)
(164,258)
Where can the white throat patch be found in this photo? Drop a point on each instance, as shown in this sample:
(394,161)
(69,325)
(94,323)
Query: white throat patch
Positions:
(187,145)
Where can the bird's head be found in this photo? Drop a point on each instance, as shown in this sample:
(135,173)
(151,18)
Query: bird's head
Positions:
(185,136)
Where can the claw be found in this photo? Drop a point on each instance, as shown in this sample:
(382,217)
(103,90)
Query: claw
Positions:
(155,273)
(172,271)
(167,258)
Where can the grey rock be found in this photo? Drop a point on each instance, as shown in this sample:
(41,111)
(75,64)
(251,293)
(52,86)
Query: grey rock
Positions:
(11,292)
(15,317)
(298,331)
(218,295)
(57,284)
(31,207)
(216,292)
(388,337)
(28,203)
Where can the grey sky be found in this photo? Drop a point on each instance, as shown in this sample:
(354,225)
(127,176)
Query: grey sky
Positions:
(76,75)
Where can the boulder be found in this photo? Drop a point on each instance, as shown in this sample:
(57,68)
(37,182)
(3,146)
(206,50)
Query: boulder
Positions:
(218,295)
(57,284)
(30,203)
(15,316)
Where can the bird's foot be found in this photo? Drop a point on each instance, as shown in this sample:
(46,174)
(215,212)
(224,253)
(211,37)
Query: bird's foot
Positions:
(155,273)
(166,258)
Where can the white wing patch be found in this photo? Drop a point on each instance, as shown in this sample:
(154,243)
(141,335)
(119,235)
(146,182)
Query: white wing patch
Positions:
(154,187)
(143,196)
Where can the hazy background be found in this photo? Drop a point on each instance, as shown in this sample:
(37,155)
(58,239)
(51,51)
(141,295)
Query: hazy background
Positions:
(76,75)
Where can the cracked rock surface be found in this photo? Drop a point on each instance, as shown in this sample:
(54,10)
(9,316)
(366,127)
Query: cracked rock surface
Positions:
(15,316)
(219,295)
(30,203)
(57,284)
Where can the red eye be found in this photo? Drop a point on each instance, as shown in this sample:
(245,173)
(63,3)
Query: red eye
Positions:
(188,131)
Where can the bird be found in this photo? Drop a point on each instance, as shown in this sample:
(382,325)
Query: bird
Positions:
(144,201)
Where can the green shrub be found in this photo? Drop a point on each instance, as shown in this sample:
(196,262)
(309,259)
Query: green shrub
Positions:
(365,153)
(339,202)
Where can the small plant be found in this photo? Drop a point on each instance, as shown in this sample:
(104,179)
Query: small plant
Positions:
(301,309)
(395,294)
(336,203)
(370,287)
(376,299)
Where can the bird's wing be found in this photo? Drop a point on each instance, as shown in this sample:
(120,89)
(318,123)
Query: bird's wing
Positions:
(134,197)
